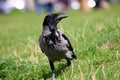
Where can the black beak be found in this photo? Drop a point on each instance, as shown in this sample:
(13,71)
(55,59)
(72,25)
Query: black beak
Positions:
(59,18)
(61,13)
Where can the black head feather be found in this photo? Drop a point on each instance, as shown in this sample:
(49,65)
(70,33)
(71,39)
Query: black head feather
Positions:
(53,19)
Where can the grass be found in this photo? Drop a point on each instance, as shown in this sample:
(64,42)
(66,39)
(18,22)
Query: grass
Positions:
(95,37)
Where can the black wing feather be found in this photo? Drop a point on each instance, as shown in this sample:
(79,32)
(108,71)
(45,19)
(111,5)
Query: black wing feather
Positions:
(70,46)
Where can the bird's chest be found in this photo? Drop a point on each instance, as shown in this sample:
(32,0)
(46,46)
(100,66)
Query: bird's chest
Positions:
(54,52)
(52,49)
(50,46)
(54,42)
(53,45)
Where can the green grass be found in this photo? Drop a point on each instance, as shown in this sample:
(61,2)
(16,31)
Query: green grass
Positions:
(95,37)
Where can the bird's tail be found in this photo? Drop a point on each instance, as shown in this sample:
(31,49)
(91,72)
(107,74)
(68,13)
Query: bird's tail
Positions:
(74,56)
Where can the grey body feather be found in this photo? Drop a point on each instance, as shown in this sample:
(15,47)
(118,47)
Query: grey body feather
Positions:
(57,51)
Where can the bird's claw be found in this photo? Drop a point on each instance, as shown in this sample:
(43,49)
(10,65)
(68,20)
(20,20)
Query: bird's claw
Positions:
(53,74)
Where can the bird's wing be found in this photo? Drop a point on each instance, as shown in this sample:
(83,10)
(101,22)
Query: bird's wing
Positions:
(69,46)
(64,37)
(41,40)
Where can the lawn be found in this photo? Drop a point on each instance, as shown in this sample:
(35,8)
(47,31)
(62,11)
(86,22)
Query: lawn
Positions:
(95,37)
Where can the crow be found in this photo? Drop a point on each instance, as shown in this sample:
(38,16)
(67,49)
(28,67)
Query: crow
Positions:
(53,42)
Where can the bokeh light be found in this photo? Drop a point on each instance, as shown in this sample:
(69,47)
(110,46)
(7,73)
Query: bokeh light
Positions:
(20,4)
(75,5)
(91,3)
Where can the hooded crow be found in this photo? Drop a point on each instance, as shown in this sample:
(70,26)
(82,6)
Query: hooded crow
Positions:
(54,42)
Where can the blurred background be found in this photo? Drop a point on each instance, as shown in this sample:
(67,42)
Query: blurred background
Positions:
(8,6)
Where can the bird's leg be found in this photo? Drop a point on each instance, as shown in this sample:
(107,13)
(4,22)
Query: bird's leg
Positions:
(68,62)
(52,68)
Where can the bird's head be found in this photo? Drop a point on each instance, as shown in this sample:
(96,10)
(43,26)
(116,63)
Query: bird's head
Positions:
(51,20)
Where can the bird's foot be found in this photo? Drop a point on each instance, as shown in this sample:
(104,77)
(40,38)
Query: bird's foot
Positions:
(53,74)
